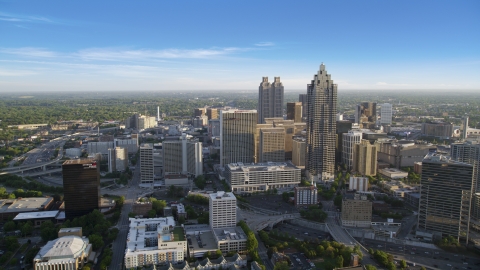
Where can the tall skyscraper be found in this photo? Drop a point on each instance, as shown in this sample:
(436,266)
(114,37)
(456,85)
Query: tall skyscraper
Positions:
(321,126)
(445,196)
(386,114)
(81,187)
(183,156)
(147,168)
(237,136)
(294,111)
(270,99)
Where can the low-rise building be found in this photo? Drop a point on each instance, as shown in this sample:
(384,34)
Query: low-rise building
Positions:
(152,241)
(305,196)
(141,208)
(262,176)
(66,252)
(176,179)
(356,213)
(9,208)
(392,173)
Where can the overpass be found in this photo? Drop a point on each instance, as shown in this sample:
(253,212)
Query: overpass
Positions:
(21,169)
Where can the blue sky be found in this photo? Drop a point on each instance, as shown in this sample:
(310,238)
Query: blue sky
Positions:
(231,45)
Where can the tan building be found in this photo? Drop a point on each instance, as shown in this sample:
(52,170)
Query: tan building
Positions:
(200,112)
(356,213)
(299,149)
(401,153)
(237,136)
(212,113)
(294,111)
(272,145)
(365,158)
(291,129)
(270,99)
(141,208)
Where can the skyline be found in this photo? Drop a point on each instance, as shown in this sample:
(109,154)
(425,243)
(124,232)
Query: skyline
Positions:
(187,46)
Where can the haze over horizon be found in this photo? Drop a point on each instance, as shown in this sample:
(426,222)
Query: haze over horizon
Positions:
(218,45)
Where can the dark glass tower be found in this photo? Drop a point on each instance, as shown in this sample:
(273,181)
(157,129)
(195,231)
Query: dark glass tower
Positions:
(81,187)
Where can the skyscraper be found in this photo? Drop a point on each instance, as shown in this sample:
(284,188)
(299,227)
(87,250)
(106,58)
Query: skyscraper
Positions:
(270,99)
(237,136)
(445,196)
(81,187)
(294,111)
(272,145)
(349,140)
(365,158)
(386,114)
(321,125)
(183,156)
(146,164)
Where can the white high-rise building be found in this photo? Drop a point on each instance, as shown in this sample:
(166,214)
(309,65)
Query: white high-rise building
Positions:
(223,210)
(270,99)
(121,159)
(386,114)
(348,145)
(146,164)
(321,126)
(183,156)
(237,136)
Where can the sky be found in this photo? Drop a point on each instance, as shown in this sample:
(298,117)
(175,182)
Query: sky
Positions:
(231,45)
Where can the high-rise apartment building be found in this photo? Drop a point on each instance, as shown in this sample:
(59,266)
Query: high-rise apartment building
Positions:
(365,158)
(147,168)
(183,156)
(469,152)
(270,99)
(366,114)
(303,99)
(140,122)
(321,125)
(117,159)
(212,113)
(294,111)
(386,114)
(343,126)
(272,145)
(349,141)
(356,213)
(223,210)
(81,187)
(445,196)
(237,136)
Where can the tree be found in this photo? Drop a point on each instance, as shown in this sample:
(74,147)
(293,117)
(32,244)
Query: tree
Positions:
(338,201)
(219,253)
(9,226)
(423,268)
(391,266)
(158,206)
(281,266)
(11,243)
(48,231)
(152,213)
(403,264)
(270,251)
(370,267)
(339,262)
(27,228)
(96,241)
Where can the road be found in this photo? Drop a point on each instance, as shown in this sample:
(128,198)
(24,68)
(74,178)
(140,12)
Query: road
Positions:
(123,223)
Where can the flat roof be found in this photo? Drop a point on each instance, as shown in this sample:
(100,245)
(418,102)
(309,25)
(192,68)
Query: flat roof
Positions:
(202,242)
(79,161)
(24,204)
(266,166)
(36,215)
(222,195)
(229,234)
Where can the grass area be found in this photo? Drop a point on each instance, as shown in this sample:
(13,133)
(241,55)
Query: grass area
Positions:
(178,234)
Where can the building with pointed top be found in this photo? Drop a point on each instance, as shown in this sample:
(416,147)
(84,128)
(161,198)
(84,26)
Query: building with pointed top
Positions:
(321,126)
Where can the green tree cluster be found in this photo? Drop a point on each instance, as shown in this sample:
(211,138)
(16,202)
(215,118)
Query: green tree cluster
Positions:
(200,182)
(18,182)
(252,243)
(314,213)
(198,199)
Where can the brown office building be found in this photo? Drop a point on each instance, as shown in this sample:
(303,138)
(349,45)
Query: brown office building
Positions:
(294,111)
(81,187)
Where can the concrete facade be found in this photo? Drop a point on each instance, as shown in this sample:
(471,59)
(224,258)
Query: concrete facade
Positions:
(365,158)
(349,141)
(237,137)
(294,111)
